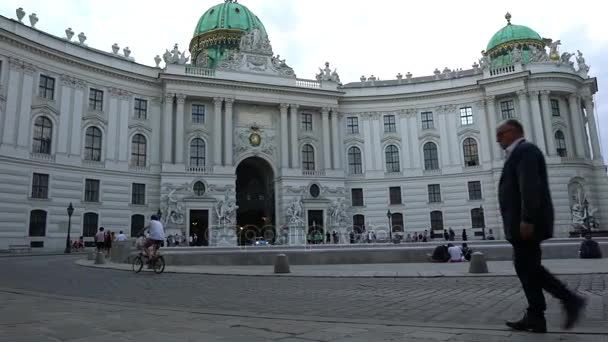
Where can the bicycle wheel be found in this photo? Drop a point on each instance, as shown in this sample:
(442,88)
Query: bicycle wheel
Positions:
(138,264)
(159,265)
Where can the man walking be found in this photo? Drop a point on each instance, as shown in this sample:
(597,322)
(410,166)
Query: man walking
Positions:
(527,213)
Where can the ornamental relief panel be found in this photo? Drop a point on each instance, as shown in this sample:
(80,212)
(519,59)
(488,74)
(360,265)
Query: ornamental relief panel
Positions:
(255,140)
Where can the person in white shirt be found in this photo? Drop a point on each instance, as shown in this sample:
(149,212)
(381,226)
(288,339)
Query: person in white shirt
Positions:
(156,236)
(121,236)
(455,253)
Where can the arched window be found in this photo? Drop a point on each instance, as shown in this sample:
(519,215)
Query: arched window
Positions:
(354,161)
(436,220)
(397,222)
(308,157)
(199,189)
(477,218)
(392,158)
(471,154)
(90,223)
(197,153)
(560,144)
(138,150)
(137,225)
(37,223)
(43,135)
(358,224)
(431,161)
(92,144)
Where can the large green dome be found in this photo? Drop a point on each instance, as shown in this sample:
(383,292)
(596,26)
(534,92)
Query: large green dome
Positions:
(513,34)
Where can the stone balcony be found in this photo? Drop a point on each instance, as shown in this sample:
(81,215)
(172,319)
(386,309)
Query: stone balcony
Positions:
(201,170)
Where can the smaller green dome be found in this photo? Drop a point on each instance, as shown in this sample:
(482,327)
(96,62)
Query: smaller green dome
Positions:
(512,33)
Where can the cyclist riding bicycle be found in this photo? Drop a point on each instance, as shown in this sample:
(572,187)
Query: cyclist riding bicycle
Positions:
(155,238)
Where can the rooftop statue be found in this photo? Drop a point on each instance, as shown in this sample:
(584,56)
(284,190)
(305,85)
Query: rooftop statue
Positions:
(328,75)
(175,56)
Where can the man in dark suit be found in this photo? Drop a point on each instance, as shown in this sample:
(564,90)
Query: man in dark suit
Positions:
(527,213)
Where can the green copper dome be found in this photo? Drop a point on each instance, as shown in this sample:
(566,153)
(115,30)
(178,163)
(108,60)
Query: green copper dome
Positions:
(511,34)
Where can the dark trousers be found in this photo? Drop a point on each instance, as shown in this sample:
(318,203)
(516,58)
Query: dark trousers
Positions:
(535,278)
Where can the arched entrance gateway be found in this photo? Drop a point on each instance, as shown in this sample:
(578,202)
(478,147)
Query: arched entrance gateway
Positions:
(255,216)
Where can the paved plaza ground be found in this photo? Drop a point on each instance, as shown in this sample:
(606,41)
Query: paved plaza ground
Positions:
(51,298)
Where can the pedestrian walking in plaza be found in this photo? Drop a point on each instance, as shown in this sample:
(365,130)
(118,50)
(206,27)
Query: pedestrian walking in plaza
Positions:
(452,234)
(100,239)
(464,235)
(446,235)
(527,213)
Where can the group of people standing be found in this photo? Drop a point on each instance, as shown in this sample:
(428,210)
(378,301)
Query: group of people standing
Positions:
(104,239)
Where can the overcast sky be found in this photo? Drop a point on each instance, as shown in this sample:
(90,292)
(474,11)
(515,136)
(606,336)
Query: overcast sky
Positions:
(359,37)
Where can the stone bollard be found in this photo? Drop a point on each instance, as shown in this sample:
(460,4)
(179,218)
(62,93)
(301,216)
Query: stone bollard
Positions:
(478,263)
(281,264)
(100,259)
(91,256)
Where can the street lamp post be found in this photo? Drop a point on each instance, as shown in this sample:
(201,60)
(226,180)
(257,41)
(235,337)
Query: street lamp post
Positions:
(159,214)
(68,245)
(390,228)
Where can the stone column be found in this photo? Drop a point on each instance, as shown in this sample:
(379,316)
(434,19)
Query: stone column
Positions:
(335,142)
(123,125)
(414,141)
(217,131)
(577,125)
(23,133)
(547,122)
(595,140)
(405,145)
(179,129)
(491,103)
(326,141)
(486,155)
(64,122)
(229,131)
(368,148)
(168,128)
(284,136)
(524,113)
(9,131)
(295,156)
(80,102)
(539,136)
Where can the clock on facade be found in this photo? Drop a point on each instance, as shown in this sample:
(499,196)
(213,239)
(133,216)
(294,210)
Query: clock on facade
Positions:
(255,139)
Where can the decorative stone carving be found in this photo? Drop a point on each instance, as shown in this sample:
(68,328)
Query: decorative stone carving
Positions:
(20,14)
(175,56)
(583,68)
(445,109)
(171,204)
(82,38)
(157,60)
(328,75)
(565,59)
(517,55)
(72,82)
(537,55)
(28,68)
(408,75)
(120,93)
(127,52)
(582,213)
(553,48)
(69,33)
(225,210)
(253,42)
(115,48)
(181,98)
(294,190)
(295,212)
(484,62)
(33,20)
(337,213)
(255,140)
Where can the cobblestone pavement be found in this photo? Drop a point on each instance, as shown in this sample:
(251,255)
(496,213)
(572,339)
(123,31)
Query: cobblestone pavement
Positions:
(255,308)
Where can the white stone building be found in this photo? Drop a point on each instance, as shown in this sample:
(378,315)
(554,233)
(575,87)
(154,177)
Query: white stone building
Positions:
(235,127)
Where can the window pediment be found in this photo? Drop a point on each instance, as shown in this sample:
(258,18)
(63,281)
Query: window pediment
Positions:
(391,137)
(140,126)
(44,107)
(95,115)
(429,134)
(354,140)
(467,130)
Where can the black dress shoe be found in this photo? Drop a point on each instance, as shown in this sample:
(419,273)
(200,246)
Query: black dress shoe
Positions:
(535,324)
(573,308)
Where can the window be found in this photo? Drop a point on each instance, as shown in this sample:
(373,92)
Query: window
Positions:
(474,190)
(431,161)
(138,194)
(37,223)
(471,155)
(307,122)
(308,157)
(392,159)
(197,153)
(466,116)
(137,225)
(141,109)
(358,224)
(354,161)
(395,195)
(397,222)
(198,114)
(43,134)
(427,120)
(46,89)
(352,125)
(555,107)
(96,99)
(314,191)
(92,144)
(436,220)
(40,186)
(560,144)
(91,190)
(389,124)
(138,150)
(434,193)
(357,197)
(507,109)
(90,222)
(199,189)
(477,219)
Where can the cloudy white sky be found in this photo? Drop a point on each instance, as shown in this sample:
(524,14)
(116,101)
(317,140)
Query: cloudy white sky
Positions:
(359,37)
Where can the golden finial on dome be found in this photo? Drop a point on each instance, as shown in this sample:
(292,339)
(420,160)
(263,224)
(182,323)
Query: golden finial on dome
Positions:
(508,17)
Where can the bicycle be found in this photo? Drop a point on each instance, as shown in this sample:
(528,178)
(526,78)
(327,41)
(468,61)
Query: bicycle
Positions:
(157,262)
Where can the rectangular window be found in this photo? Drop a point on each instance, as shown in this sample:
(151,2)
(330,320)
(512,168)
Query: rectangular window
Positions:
(357,195)
(466,116)
(307,122)
(475,190)
(434,193)
(138,194)
(427,120)
(507,109)
(141,109)
(555,107)
(96,99)
(46,89)
(91,190)
(395,194)
(352,125)
(40,186)
(198,114)
(389,124)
